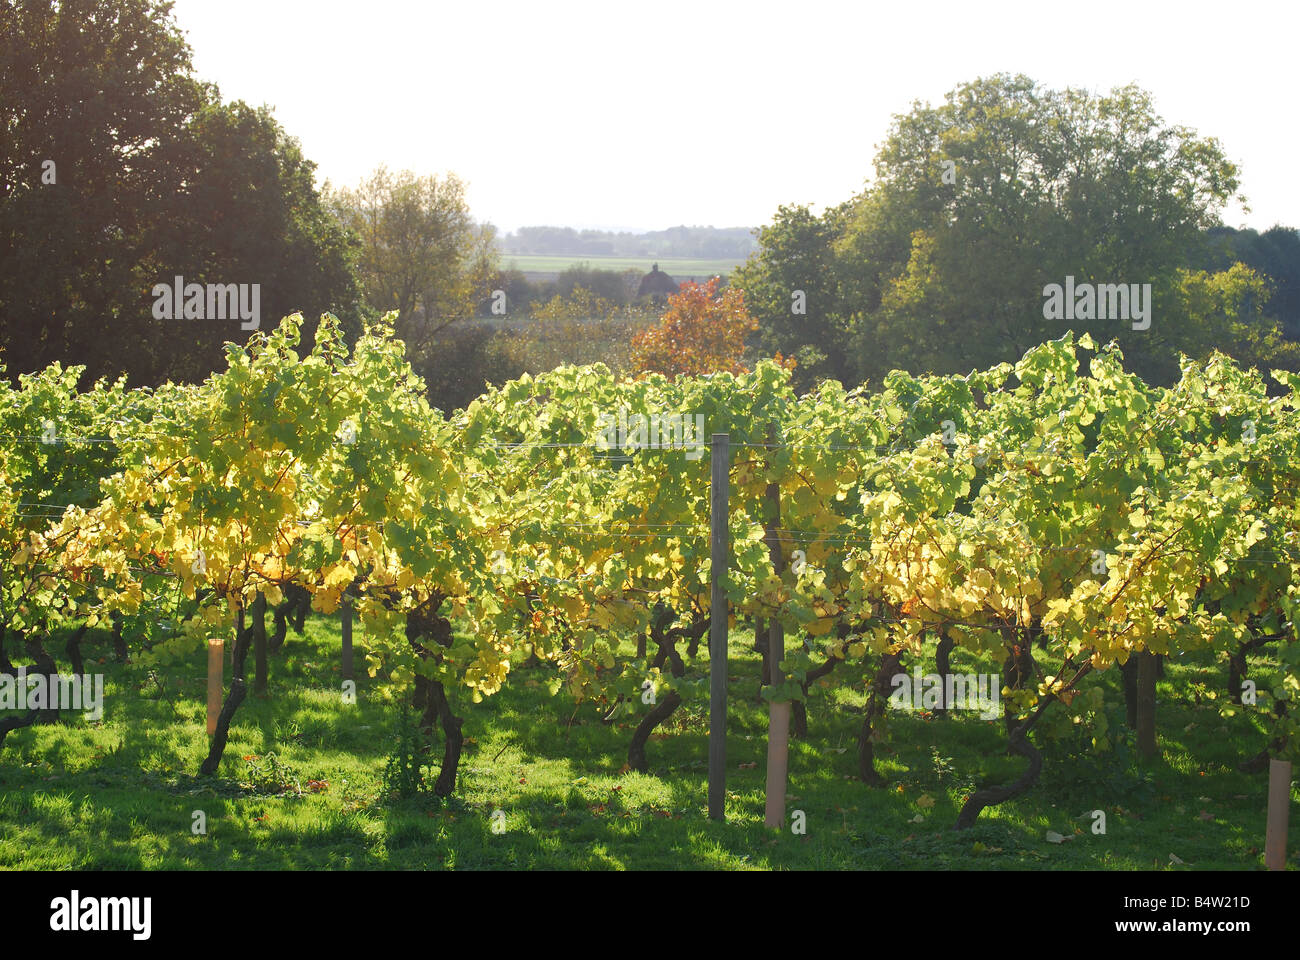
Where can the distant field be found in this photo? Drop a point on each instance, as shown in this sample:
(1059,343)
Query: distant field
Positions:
(679,267)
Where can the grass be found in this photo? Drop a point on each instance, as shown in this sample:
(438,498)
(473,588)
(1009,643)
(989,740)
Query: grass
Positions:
(679,268)
(122,793)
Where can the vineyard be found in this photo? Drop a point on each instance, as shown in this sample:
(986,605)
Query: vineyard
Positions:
(1056,522)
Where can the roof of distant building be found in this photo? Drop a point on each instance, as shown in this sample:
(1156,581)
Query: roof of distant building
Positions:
(656,282)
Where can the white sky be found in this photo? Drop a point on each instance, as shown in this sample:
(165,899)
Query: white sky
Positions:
(622,115)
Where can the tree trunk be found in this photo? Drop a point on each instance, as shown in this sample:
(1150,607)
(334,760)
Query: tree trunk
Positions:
(799,708)
(74,650)
(877,704)
(451,729)
(281,626)
(1017,671)
(661,711)
(1129,671)
(943,667)
(760,645)
(119,644)
(238,690)
(799,719)
(44,664)
(1237,668)
(990,796)
(301,607)
(1148,749)
(258,612)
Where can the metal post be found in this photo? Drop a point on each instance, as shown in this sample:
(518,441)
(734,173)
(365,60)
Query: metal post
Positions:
(778,717)
(345,629)
(719,548)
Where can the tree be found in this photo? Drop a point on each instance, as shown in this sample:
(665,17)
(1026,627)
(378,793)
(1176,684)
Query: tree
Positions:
(249,212)
(1275,253)
(792,290)
(422,254)
(701,332)
(89,91)
(151,178)
(1231,307)
(1007,187)
(579,328)
(609,284)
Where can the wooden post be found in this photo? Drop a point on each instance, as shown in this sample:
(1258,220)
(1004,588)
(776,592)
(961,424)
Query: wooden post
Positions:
(345,629)
(778,717)
(216,680)
(719,511)
(1279,808)
(1148,747)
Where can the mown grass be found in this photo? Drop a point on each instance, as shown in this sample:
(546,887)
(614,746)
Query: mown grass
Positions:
(121,793)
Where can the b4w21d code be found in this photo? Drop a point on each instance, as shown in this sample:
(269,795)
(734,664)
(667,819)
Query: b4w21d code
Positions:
(1160,903)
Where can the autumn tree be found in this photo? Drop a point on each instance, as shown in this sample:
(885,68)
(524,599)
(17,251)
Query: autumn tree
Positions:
(702,331)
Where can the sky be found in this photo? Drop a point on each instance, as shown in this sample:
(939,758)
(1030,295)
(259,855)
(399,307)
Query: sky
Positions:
(641,116)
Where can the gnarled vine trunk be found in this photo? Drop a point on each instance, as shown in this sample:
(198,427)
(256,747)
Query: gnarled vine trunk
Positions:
(666,642)
(943,667)
(799,708)
(1129,672)
(73,649)
(987,797)
(1017,672)
(430,695)
(258,629)
(44,664)
(119,643)
(877,704)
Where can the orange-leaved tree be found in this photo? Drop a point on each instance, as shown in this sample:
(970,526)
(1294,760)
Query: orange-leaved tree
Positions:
(702,331)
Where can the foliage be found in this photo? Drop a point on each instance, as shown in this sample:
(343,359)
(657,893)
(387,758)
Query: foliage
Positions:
(579,328)
(1058,513)
(939,266)
(422,254)
(702,331)
(152,178)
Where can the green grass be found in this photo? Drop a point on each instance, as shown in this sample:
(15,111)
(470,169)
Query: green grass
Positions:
(679,268)
(120,794)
